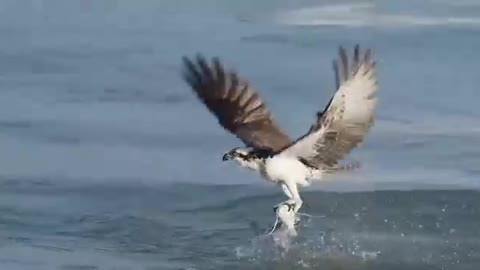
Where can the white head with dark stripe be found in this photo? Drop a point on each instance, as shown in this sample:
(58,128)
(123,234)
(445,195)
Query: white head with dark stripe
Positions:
(247,157)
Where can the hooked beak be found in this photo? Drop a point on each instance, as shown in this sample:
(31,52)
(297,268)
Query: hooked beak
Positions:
(227,156)
(230,154)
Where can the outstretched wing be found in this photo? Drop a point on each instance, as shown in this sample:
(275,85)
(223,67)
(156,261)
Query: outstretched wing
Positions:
(236,105)
(347,118)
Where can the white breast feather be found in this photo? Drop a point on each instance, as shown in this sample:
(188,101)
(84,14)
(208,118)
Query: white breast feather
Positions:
(280,168)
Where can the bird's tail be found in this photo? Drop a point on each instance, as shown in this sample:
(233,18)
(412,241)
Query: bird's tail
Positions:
(318,175)
(342,168)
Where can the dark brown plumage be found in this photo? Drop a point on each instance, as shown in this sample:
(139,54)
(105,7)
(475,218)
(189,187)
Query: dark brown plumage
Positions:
(235,104)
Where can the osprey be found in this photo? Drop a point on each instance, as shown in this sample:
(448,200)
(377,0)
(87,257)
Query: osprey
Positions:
(337,129)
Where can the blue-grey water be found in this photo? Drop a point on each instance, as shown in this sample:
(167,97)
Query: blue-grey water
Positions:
(107,160)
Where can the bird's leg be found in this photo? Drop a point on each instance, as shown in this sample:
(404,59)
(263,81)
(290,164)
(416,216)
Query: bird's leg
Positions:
(287,191)
(295,196)
(289,195)
(290,189)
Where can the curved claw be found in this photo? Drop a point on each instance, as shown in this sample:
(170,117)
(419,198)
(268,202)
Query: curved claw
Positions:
(291,205)
(297,221)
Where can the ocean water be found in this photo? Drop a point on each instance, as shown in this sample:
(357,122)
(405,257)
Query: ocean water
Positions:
(108,161)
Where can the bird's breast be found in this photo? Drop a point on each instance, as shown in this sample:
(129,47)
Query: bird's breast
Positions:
(284,168)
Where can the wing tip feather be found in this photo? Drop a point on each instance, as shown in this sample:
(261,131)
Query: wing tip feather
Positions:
(345,67)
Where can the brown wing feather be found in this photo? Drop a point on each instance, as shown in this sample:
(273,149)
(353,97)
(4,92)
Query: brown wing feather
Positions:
(236,105)
(347,118)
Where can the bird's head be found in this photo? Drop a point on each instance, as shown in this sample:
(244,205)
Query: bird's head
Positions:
(246,158)
(236,153)
(246,154)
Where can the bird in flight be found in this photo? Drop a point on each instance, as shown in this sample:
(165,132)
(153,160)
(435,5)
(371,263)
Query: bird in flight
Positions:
(341,126)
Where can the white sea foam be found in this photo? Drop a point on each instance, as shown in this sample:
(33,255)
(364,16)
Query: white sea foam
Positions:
(365,14)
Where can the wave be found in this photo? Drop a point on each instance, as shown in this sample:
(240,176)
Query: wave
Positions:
(363,15)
